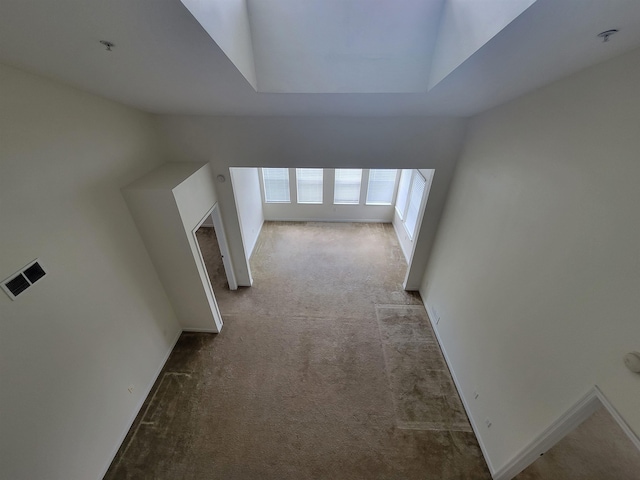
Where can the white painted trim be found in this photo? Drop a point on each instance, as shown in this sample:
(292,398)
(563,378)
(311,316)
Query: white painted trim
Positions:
(364,188)
(200,330)
(328,220)
(617,417)
(206,282)
(457,384)
(223,245)
(140,404)
(561,427)
(423,208)
(564,424)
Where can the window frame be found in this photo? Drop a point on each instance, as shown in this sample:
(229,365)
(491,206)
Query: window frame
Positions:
(393,189)
(335,182)
(401,213)
(410,197)
(263,183)
(297,174)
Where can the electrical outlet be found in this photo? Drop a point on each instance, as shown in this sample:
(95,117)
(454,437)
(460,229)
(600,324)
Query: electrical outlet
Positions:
(487,422)
(131,388)
(475,394)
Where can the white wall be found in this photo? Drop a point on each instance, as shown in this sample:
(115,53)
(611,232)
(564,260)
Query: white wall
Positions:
(340,142)
(246,188)
(406,243)
(536,269)
(195,198)
(466,26)
(167,204)
(100,321)
(227,22)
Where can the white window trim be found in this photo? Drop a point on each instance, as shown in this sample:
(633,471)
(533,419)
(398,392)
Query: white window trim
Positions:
(328,193)
(264,191)
(322,199)
(403,215)
(362,175)
(393,195)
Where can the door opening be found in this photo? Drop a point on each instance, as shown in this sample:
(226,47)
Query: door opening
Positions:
(214,256)
(214,249)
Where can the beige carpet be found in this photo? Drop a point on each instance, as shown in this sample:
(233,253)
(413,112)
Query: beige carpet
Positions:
(424,398)
(597,450)
(325,369)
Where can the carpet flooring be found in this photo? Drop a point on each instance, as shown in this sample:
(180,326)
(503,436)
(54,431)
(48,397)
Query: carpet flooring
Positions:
(597,450)
(325,369)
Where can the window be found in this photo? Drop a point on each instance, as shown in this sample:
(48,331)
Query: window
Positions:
(309,185)
(347,185)
(381,186)
(276,185)
(418,184)
(403,192)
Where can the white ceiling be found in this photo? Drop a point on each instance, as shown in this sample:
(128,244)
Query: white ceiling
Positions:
(343,46)
(164,61)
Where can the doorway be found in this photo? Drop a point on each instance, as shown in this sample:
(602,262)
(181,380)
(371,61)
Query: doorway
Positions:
(214,251)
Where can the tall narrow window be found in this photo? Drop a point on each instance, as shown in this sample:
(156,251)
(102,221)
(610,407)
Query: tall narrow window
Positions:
(403,192)
(347,186)
(418,184)
(276,185)
(309,185)
(381,186)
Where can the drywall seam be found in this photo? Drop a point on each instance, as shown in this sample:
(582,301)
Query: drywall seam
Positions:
(137,410)
(474,426)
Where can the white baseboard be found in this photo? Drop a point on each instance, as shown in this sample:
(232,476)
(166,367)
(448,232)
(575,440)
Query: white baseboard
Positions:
(200,330)
(457,384)
(564,424)
(329,220)
(140,403)
(617,417)
(555,432)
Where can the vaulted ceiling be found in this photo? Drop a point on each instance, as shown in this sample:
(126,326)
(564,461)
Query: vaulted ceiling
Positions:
(313,57)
